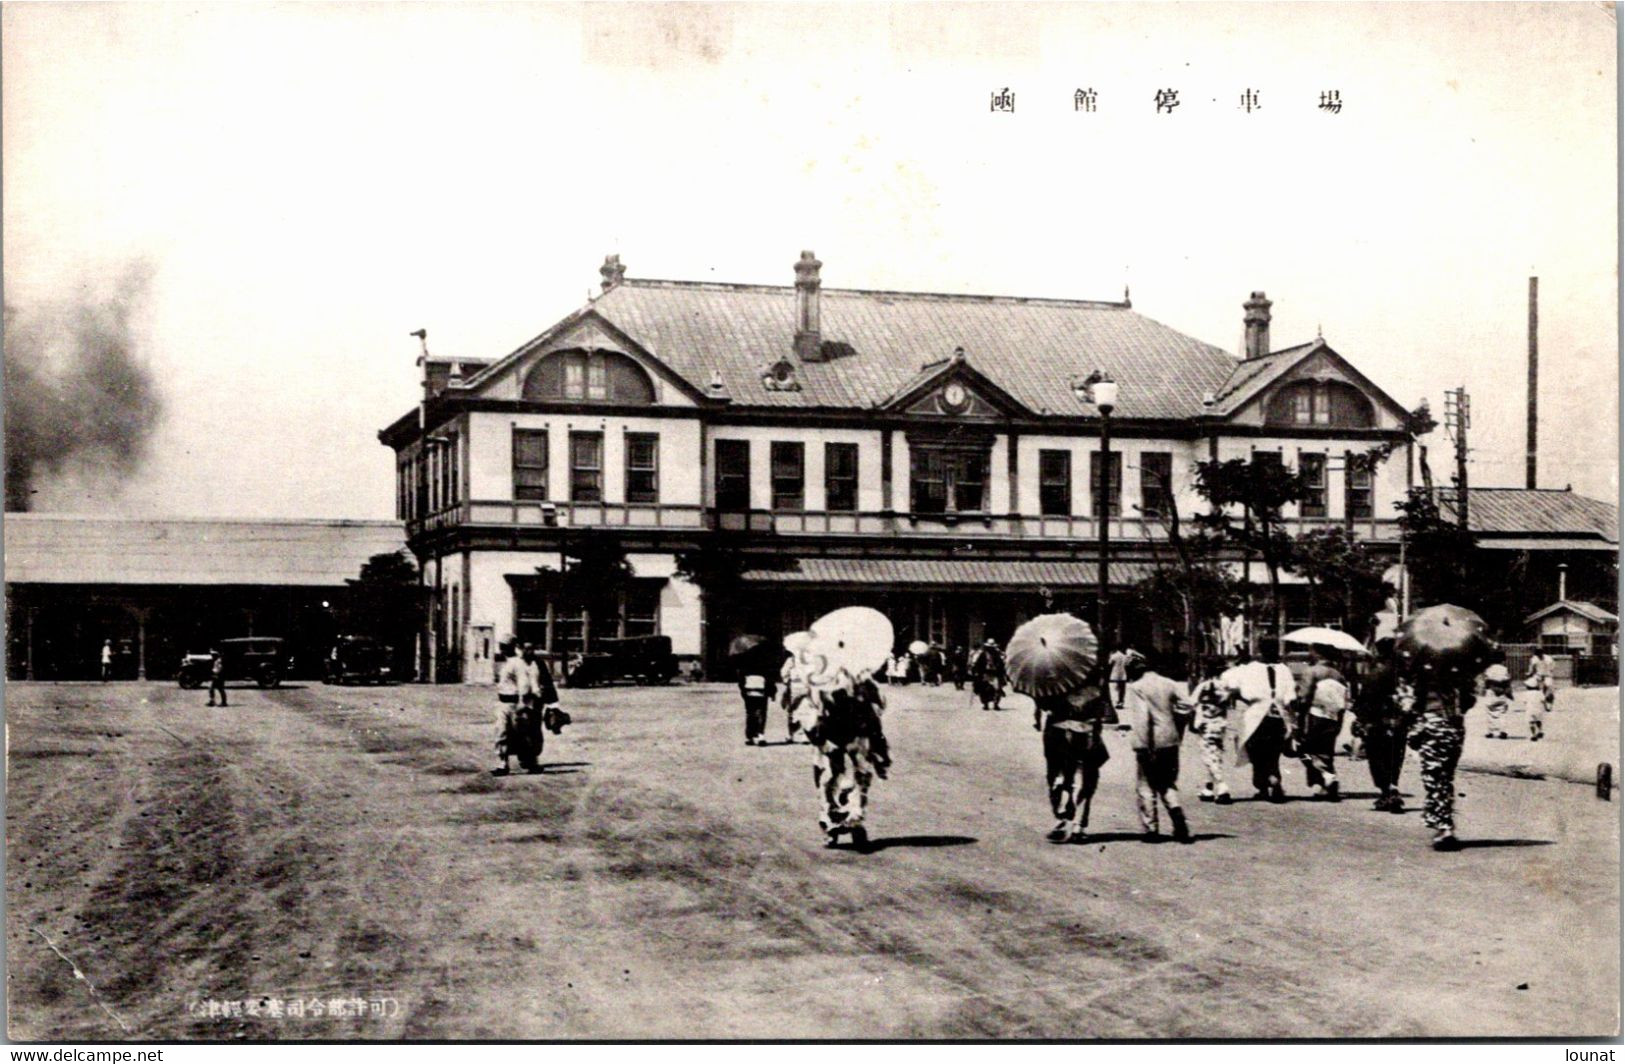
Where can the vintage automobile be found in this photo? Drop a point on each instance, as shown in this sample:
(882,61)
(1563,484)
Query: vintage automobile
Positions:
(643,659)
(262,659)
(357,659)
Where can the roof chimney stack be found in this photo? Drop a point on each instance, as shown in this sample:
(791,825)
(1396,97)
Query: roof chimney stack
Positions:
(809,340)
(1256,321)
(612,271)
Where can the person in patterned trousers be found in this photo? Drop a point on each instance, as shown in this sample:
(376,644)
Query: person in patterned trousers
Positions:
(1437,738)
(852,751)
(1213,700)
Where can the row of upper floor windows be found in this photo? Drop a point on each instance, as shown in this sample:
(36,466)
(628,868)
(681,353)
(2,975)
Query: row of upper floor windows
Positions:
(950,476)
(611,377)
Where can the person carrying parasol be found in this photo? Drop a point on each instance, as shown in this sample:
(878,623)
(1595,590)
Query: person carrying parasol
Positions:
(1441,650)
(841,715)
(1053,659)
(755,663)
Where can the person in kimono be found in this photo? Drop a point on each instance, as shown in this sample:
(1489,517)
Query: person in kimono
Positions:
(1381,712)
(988,675)
(1441,707)
(1324,699)
(1497,697)
(1212,725)
(840,714)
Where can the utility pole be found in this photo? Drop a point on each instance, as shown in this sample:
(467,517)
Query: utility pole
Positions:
(1458,417)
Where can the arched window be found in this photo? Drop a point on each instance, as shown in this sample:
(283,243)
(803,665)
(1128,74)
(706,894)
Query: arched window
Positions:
(1331,404)
(590,377)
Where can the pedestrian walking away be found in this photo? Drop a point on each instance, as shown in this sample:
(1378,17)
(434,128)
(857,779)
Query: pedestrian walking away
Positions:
(1119,676)
(1437,736)
(1497,697)
(1381,715)
(1534,702)
(1265,691)
(756,687)
(217,676)
(107,660)
(1158,711)
(1073,755)
(1212,725)
(1324,699)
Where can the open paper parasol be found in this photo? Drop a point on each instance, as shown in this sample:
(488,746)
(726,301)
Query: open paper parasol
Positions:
(744,644)
(1444,639)
(1051,655)
(855,640)
(1325,637)
(918,647)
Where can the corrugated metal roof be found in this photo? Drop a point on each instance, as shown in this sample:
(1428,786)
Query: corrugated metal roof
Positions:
(1590,611)
(76,549)
(1521,511)
(952,573)
(1032,348)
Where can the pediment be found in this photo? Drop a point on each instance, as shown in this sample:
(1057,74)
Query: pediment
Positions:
(953,389)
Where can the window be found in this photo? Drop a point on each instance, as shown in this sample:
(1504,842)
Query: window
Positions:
(947,479)
(1356,487)
(1319,403)
(642,467)
(530,464)
(841,476)
(586,467)
(1055,483)
(1114,484)
(1312,470)
(641,610)
(1156,482)
(789,476)
(590,376)
(733,474)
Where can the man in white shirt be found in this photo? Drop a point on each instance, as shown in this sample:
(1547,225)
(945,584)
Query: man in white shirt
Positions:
(512,679)
(1157,711)
(1264,690)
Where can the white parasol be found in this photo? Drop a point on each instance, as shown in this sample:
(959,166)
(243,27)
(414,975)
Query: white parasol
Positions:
(1325,637)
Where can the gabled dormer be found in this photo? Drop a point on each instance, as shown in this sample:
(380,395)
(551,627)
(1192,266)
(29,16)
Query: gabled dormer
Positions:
(584,359)
(953,388)
(1306,387)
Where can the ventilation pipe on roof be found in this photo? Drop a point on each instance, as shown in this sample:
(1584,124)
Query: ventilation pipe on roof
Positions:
(809,340)
(612,271)
(1256,322)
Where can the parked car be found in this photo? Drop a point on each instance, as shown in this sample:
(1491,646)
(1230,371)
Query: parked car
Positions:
(357,659)
(644,659)
(261,659)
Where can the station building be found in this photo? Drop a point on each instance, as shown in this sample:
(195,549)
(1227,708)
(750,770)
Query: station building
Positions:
(937,456)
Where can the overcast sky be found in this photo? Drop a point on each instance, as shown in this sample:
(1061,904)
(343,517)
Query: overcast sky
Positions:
(310,183)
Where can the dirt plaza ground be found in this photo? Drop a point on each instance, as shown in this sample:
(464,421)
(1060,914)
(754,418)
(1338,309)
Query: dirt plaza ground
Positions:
(204,868)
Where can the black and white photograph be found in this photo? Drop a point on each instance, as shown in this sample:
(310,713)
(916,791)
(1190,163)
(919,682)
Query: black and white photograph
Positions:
(811,522)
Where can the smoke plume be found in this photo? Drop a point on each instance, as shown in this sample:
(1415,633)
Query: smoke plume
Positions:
(78,394)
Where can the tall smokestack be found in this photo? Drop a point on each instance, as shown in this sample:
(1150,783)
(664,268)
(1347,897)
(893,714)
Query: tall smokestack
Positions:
(1534,380)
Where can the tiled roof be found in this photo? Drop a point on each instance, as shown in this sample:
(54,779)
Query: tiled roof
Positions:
(1521,511)
(1032,348)
(1590,611)
(76,549)
(1254,373)
(956,573)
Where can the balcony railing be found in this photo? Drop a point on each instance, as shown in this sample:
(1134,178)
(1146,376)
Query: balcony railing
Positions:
(510,513)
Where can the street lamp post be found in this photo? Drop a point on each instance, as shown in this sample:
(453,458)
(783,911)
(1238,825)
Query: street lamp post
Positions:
(1105,392)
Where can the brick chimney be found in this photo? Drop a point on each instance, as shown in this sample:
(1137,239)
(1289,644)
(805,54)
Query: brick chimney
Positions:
(809,339)
(612,271)
(1256,322)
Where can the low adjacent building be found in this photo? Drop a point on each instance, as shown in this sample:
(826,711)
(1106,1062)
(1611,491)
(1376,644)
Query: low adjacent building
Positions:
(159,588)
